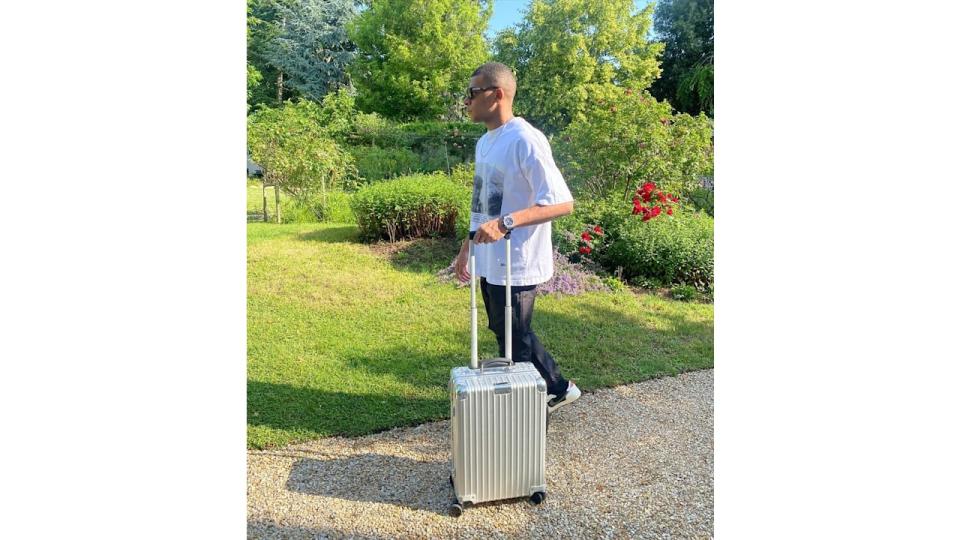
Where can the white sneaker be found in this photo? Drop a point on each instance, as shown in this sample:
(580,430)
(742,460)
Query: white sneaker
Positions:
(568,397)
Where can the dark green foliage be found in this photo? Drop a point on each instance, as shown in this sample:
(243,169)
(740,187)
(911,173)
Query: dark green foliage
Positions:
(702,199)
(375,163)
(686,29)
(311,45)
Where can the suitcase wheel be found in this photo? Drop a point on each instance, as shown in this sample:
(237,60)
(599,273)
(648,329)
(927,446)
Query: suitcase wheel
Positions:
(538,497)
(456,509)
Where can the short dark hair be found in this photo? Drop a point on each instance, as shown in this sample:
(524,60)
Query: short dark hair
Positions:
(499,75)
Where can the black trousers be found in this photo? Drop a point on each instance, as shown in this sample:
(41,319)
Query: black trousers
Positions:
(526,347)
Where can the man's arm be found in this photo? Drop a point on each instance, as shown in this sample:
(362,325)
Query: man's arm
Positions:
(493,230)
(538,214)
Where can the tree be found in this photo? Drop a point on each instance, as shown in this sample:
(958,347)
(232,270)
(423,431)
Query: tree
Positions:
(264,24)
(312,47)
(416,56)
(297,154)
(686,28)
(628,138)
(564,50)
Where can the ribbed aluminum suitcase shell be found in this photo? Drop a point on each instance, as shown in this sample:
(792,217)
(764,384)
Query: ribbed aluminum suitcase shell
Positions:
(498,432)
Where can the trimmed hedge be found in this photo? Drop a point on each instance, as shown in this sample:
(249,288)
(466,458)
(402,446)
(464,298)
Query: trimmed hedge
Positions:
(411,207)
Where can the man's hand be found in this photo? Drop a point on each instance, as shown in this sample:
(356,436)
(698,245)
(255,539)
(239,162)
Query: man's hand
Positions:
(460,267)
(489,232)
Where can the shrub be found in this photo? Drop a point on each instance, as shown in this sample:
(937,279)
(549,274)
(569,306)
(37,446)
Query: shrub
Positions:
(702,199)
(462,174)
(295,151)
(684,292)
(337,113)
(626,138)
(676,250)
(615,284)
(429,139)
(374,163)
(409,207)
(336,209)
(373,130)
(570,278)
(609,213)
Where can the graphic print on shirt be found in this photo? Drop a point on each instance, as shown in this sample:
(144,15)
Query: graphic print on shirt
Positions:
(487,195)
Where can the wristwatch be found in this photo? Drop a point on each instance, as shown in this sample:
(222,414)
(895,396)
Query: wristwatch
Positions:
(507,222)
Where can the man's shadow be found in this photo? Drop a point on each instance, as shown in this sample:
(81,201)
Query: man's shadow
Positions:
(401,481)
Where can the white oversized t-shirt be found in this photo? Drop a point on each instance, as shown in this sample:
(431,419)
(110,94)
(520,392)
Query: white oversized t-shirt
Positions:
(515,170)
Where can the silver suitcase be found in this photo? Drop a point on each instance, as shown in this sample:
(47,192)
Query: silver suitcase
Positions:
(498,420)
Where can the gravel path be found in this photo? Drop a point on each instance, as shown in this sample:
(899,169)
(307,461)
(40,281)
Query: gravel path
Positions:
(635,461)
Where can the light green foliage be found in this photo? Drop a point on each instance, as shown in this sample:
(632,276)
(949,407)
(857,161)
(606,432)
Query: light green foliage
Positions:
(409,207)
(625,138)
(253,79)
(462,174)
(337,113)
(416,56)
(566,51)
(296,153)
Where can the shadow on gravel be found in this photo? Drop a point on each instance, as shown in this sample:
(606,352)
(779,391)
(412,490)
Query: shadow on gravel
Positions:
(378,478)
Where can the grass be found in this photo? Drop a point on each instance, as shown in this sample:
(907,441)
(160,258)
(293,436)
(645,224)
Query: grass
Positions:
(347,338)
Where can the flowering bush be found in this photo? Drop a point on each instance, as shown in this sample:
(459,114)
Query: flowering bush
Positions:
(586,238)
(625,135)
(648,193)
(677,250)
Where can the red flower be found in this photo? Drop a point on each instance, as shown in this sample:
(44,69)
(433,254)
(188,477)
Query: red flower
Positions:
(661,196)
(598,230)
(585,250)
(655,211)
(669,211)
(648,187)
(586,236)
(646,196)
(646,216)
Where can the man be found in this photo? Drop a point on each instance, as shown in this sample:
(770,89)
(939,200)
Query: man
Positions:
(516,187)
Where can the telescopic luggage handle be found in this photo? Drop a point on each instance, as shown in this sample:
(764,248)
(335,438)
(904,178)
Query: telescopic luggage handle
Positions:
(508,309)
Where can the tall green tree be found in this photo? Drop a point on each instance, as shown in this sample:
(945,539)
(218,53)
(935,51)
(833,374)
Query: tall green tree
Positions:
(416,56)
(264,24)
(686,28)
(564,51)
(312,47)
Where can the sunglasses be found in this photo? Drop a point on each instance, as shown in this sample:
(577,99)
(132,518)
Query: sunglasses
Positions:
(472,91)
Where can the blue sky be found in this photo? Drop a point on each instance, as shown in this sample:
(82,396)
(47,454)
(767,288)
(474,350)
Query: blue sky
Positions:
(509,12)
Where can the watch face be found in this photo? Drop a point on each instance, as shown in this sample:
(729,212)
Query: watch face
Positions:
(508,221)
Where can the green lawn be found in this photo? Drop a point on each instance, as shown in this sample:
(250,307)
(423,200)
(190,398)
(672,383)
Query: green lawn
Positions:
(345,338)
